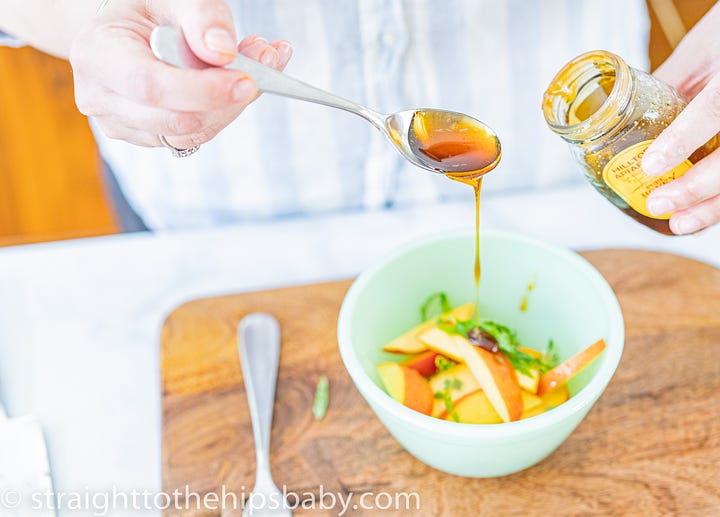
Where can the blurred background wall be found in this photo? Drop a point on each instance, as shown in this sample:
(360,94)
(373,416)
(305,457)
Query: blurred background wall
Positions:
(51,185)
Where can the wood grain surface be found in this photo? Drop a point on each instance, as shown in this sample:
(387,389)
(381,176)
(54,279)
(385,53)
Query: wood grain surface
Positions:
(650,446)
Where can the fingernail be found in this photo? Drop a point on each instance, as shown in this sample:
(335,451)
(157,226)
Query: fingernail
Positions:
(660,205)
(244,91)
(269,57)
(285,50)
(220,40)
(654,164)
(686,224)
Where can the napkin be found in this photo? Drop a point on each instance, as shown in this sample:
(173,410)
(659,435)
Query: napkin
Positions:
(25,482)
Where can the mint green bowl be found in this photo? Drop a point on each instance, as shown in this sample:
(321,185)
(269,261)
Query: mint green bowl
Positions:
(571,304)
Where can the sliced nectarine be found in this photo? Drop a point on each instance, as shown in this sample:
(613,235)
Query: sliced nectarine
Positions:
(529,381)
(530,401)
(555,397)
(424,363)
(569,368)
(467,384)
(532,405)
(406,386)
(537,410)
(493,372)
(409,343)
(475,408)
(451,346)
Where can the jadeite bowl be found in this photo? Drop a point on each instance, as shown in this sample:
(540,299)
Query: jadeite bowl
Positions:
(571,303)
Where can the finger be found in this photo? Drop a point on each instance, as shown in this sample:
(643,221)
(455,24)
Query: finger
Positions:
(193,140)
(696,218)
(260,50)
(285,51)
(122,112)
(120,132)
(129,68)
(207,24)
(694,126)
(700,183)
(693,62)
(247,41)
(156,120)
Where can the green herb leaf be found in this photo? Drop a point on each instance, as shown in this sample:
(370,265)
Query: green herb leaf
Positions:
(439,298)
(442,363)
(446,397)
(550,359)
(506,339)
(322,398)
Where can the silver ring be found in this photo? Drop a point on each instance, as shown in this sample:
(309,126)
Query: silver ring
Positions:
(102,6)
(178,153)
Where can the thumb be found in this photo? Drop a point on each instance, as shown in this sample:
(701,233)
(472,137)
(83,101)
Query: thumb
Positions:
(207,25)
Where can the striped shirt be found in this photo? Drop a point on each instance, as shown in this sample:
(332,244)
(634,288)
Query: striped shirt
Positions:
(491,59)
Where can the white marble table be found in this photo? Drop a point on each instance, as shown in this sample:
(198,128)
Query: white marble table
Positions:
(80,320)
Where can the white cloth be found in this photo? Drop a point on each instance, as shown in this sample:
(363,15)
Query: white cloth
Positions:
(25,483)
(490,59)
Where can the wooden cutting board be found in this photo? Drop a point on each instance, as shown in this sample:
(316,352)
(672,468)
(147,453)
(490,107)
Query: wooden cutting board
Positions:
(650,446)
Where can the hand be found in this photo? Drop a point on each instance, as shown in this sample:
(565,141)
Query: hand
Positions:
(135,97)
(694,69)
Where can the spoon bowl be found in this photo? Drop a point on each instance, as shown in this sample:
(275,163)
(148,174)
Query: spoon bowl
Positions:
(444,141)
(441,141)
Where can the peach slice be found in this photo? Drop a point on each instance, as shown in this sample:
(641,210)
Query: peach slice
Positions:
(569,368)
(493,372)
(530,401)
(424,363)
(475,408)
(452,346)
(555,397)
(409,343)
(468,384)
(532,405)
(529,382)
(406,386)
(537,410)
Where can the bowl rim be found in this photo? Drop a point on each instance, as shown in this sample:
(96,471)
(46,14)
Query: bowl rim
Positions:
(615,339)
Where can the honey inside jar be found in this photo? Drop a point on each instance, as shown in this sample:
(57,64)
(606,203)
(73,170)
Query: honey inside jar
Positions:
(464,150)
(589,100)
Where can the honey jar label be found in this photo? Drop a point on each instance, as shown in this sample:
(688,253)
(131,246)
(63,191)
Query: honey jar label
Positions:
(624,174)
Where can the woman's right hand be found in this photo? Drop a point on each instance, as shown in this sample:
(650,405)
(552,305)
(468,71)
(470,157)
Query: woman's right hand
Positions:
(134,97)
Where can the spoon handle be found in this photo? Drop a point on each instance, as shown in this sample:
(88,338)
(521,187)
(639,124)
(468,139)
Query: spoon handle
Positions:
(259,346)
(169,45)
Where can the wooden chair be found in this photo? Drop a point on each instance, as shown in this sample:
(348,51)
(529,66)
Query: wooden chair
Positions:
(51,186)
(50,182)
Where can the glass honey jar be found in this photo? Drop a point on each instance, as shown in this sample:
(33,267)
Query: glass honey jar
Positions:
(610,113)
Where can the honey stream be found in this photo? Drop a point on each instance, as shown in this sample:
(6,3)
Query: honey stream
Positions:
(465,151)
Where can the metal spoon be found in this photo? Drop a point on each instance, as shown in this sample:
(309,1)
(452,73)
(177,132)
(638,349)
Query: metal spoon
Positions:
(259,346)
(400,128)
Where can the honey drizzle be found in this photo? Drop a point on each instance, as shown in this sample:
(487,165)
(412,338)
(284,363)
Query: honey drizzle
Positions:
(476,183)
(477,187)
(465,152)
